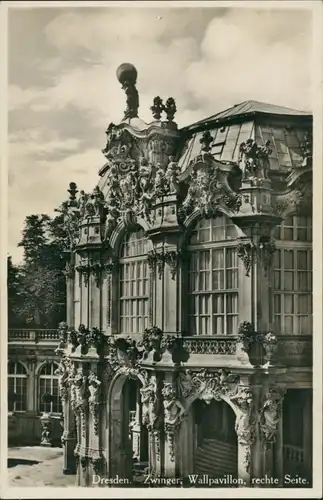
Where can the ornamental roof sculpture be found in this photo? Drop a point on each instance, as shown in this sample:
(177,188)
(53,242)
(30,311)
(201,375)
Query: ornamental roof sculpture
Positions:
(143,179)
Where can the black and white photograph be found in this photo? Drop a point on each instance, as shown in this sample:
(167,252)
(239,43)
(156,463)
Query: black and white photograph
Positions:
(163,249)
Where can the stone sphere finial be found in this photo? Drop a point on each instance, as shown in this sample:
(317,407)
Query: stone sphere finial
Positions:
(126,72)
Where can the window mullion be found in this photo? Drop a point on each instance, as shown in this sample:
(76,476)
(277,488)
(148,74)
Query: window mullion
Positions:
(211,287)
(225,287)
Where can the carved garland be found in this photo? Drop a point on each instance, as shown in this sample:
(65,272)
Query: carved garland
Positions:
(247,251)
(157,261)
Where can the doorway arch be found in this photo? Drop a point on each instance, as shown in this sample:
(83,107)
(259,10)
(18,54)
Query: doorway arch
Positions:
(215,439)
(128,437)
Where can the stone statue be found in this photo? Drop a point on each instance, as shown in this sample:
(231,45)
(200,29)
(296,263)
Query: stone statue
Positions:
(83,198)
(160,181)
(254,159)
(94,388)
(172,406)
(145,171)
(270,415)
(132,100)
(172,173)
(98,200)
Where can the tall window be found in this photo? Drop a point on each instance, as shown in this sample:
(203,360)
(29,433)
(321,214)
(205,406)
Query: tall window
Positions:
(17,387)
(213,278)
(133,287)
(293,277)
(49,399)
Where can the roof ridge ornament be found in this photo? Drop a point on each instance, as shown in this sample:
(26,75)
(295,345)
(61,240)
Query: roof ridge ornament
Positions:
(127,76)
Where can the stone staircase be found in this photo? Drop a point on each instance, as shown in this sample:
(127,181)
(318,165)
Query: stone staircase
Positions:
(216,458)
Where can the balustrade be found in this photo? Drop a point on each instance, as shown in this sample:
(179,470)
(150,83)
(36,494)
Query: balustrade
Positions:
(33,335)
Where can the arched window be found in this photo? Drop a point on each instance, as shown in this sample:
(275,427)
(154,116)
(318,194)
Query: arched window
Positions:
(49,399)
(213,278)
(133,283)
(293,276)
(17,387)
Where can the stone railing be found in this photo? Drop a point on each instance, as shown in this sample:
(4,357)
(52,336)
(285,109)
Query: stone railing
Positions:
(207,344)
(292,350)
(33,335)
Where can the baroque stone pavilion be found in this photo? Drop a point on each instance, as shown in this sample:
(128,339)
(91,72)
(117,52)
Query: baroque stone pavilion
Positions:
(188,342)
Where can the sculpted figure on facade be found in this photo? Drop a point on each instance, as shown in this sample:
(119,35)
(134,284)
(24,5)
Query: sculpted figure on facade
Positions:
(254,159)
(172,406)
(172,174)
(160,181)
(82,201)
(132,100)
(149,402)
(63,378)
(270,414)
(241,403)
(94,386)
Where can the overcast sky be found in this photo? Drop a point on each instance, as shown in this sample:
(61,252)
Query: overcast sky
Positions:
(63,92)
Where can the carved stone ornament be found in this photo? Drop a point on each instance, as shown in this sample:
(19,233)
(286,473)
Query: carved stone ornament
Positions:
(94,385)
(133,186)
(70,224)
(149,400)
(158,259)
(211,346)
(157,108)
(245,251)
(307,150)
(270,414)
(245,425)
(173,410)
(208,189)
(122,353)
(297,200)
(47,427)
(248,251)
(253,160)
(127,76)
(79,401)
(270,343)
(63,372)
(169,108)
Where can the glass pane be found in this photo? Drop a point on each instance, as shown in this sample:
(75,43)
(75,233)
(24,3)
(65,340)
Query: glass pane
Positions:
(277,259)
(277,280)
(218,259)
(288,325)
(218,280)
(302,281)
(231,304)
(288,280)
(277,303)
(289,259)
(218,304)
(303,307)
(288,304)
(301,259)
(218,325)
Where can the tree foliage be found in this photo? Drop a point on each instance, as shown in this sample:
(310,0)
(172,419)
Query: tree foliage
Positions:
(37,288)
